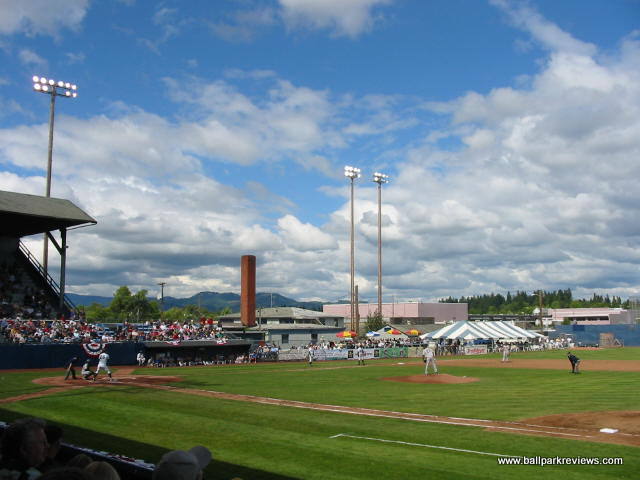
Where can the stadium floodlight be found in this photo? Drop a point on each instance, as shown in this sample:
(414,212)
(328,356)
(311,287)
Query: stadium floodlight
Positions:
(352,173)
(380,178)
(54,89)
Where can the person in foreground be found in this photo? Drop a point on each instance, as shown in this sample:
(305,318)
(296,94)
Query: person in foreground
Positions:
(24,449)
(182,465)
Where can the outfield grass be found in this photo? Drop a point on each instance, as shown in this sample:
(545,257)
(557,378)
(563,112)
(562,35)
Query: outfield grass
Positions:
(265,441)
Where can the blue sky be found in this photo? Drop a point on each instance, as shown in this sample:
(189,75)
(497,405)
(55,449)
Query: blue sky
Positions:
(207,130)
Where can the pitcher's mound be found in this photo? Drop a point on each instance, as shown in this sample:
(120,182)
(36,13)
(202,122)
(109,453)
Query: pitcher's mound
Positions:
(440,378)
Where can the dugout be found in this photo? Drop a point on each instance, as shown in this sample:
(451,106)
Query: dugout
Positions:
(195,351)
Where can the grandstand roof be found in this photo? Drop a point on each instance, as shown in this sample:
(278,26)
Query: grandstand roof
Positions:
(22,214)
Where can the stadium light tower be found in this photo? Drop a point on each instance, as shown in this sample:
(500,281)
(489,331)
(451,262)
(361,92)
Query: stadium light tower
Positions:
(352,173)
(53,89)
(380,178)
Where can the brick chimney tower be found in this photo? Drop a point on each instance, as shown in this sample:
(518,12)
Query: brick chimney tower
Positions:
(248,290)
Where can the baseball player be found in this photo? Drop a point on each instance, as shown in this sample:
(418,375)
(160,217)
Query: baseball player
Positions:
(506,350)
(360,355)
(429,358)
(103,358)
(310,353)
(86,371)
(575,362)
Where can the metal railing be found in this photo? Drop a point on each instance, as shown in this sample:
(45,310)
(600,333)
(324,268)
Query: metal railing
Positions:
(45,275)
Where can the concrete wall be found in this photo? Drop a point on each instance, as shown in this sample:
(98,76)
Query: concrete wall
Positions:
(629,335)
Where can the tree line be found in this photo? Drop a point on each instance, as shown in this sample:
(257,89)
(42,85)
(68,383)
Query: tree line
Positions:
(525,303)
(137,308)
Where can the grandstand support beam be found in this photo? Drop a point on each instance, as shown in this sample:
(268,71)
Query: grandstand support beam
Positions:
(63,266)
(62,250)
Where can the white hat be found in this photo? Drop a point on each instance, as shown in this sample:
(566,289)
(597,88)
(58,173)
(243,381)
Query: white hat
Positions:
(181,465)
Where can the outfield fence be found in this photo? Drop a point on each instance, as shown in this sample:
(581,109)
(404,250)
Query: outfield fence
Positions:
(322,354)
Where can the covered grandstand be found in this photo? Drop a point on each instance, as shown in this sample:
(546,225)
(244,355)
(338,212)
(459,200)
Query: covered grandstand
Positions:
(22,215)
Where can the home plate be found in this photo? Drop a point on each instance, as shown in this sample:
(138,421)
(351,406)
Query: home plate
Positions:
(609,430)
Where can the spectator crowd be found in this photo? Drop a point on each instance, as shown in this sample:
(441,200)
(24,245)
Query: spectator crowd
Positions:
(78,330)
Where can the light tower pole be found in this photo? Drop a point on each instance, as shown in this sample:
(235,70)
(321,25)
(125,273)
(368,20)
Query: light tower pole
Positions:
(53,89)
(162,284)
(380,178)
(352,173)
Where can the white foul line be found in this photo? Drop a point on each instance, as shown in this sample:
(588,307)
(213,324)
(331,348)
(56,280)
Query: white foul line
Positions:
(423,445)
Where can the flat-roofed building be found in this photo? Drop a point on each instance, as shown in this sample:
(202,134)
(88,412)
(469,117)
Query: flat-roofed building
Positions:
(406,314)
(288,326)
(590,316)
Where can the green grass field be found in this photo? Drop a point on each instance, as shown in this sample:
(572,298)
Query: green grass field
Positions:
(251,440)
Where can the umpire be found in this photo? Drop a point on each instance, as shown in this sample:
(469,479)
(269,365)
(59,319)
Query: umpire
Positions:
(575,362)
(71,368)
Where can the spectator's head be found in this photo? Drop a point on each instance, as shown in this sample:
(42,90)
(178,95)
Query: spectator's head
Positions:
(54,439)
(67,473)
(81,460)
(24,443)
(102,471)
(181,465)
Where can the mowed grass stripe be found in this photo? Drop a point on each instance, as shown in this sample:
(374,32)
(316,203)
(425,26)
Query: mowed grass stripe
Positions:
(296,443)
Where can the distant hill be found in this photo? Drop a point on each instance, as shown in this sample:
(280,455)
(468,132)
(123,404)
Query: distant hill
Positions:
(212,301)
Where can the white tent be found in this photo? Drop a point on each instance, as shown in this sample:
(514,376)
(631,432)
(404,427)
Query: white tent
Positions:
(465,330)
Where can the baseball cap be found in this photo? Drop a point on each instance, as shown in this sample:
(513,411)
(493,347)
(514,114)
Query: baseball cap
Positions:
(182,465)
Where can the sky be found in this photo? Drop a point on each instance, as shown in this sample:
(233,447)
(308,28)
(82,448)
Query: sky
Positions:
(208,130)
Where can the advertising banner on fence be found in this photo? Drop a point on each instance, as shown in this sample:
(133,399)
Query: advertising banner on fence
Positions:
(475,350)
(343,354)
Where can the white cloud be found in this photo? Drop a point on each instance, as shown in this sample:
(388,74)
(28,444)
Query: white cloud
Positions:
(545,32)
(304,236)
(343,17)
(539,190)
(41,17)
(31,58)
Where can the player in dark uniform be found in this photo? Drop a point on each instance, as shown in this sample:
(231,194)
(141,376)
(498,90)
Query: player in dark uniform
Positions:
(575,362)
(71,368)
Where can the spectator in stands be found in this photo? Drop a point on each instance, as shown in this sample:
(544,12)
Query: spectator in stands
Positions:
(102,471)
(24,448)
(67,473)
(182,465)
(54,439)
(81,460)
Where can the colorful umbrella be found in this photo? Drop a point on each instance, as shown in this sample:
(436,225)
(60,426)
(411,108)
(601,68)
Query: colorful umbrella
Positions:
(346,334)
(393,331)
(413,332)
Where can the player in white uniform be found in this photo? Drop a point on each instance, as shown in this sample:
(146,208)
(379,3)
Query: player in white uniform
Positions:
(311,355)
(506,349)
(103,358)
(429,359)
(360,355)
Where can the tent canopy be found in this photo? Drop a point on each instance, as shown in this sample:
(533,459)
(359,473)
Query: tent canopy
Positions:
(466,330)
